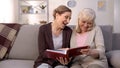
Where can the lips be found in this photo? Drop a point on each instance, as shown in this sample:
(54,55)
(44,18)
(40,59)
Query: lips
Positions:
(64,23)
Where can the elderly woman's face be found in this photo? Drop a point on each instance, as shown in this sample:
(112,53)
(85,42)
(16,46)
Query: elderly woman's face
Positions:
(85,25)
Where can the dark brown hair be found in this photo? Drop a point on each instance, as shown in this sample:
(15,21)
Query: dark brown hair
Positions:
(60,10)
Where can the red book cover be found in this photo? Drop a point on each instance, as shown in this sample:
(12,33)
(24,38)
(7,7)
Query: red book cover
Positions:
(72,52)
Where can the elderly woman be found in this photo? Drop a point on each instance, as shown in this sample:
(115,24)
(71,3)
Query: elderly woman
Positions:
(54,35)
(87,33)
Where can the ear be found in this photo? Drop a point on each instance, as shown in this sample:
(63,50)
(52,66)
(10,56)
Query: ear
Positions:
(57,15)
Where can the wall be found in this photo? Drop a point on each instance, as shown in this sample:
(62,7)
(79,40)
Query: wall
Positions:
(104,17)
(15,10)
(8,11)
(110,16)
(117,16)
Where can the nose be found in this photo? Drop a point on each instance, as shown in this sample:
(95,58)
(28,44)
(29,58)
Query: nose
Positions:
(68,20)
(85,24)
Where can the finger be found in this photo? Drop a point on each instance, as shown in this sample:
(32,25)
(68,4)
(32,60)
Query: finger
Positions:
(70,58)
(62,60)
(66,61)
(84,52)
(58,58)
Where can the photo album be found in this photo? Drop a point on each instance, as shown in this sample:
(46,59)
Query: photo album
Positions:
(65,53)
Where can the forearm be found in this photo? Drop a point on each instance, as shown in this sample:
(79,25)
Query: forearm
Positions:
(94,53)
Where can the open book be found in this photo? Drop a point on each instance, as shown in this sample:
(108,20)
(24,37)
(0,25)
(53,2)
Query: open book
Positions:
(72,52)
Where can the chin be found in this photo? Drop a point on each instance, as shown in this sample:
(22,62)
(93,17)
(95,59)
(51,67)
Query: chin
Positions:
(62,27)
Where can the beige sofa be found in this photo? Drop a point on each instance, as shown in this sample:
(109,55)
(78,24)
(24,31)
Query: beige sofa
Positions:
(25,48)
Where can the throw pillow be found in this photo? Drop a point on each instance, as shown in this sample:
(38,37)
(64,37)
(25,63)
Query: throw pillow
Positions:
(8,33)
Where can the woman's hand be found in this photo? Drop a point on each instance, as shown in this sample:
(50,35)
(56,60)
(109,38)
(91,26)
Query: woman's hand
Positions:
(94,53)
(85,51)
(91,52)
(63,61)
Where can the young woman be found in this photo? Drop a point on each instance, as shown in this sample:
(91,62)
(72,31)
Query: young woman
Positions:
(54,35)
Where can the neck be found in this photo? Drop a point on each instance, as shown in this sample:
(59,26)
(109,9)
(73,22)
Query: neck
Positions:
(55,29)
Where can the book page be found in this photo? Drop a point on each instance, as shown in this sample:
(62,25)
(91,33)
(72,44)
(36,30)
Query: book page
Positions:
(58,51)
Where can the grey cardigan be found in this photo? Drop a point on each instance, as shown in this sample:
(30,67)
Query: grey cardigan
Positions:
(95,41)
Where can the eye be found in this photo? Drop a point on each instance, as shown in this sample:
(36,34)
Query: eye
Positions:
(89,23)
(67,17)
(83,21)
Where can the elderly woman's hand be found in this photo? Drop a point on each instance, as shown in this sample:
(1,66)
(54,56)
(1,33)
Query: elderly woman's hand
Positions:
(84,51)
(94,53)
(91,52)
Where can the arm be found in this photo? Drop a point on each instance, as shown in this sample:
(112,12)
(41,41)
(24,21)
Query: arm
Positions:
(41,42)
(99,44)
(41,47)
(66,44)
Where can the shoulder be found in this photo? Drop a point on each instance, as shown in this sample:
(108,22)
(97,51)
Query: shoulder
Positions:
(44,27)
(97,28)
(67,28)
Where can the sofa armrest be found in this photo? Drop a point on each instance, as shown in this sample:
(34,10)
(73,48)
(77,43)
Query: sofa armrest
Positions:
(113,58)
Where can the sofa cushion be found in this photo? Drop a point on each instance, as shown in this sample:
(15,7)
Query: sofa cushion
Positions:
(113,58)
(26,43)
(8,33)
(16,63)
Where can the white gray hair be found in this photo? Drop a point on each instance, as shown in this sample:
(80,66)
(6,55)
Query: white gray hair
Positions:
(86,14)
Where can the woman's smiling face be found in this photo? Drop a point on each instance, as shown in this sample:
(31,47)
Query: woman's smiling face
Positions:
(63,19)
(86,20)
(85,25)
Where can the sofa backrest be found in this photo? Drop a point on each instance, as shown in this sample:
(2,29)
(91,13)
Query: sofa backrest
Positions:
(26,43)
(116,41)
(107,34)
